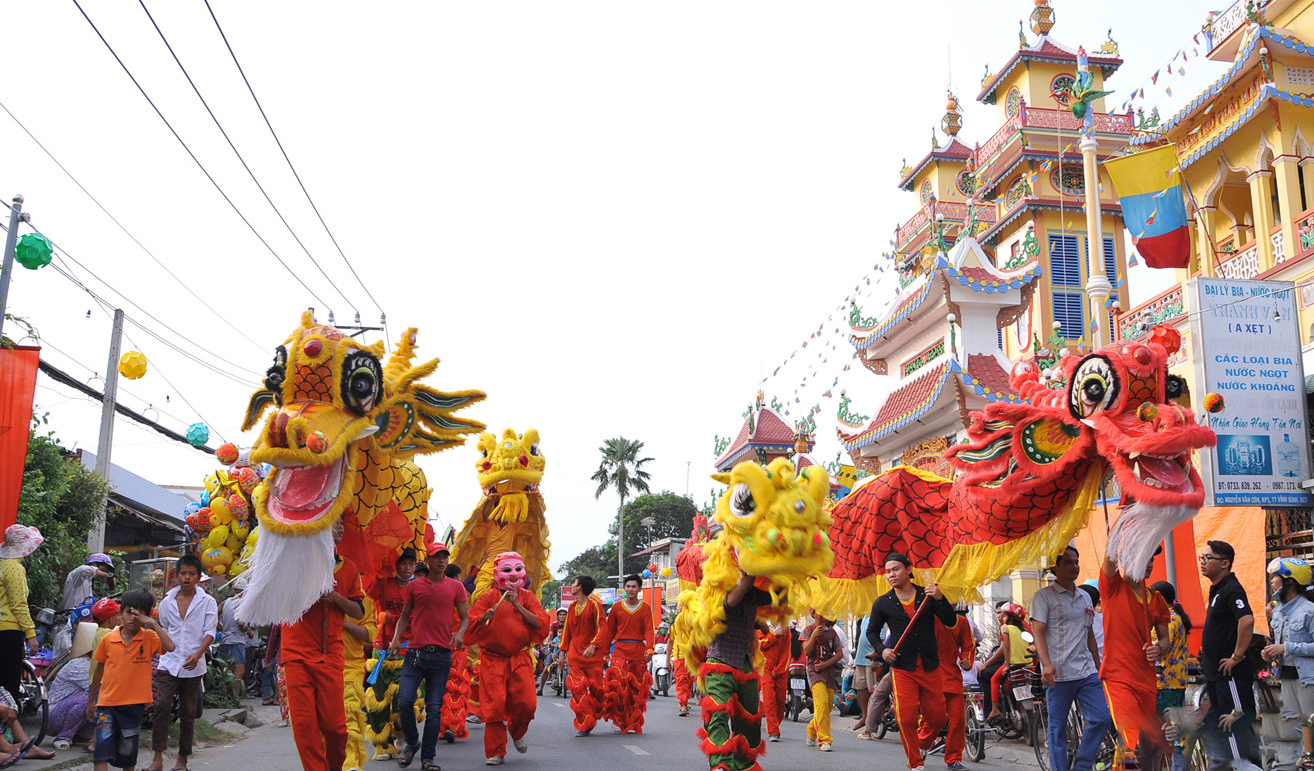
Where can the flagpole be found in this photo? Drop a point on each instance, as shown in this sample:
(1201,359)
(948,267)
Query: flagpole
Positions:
(1098,287)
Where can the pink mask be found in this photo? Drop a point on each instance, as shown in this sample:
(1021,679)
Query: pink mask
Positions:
(509,571)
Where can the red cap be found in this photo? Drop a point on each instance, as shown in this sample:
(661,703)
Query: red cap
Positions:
(435,548)
(104,609)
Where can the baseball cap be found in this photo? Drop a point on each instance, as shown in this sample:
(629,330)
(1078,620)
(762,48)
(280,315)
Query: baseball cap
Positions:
(421,567)
(104,609)
(437,548)
(407,554)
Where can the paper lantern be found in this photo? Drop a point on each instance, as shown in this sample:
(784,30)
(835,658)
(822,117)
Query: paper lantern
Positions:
(226,453)
(666,572)
(33,251)
(197,434)
(652,567)
(132,365)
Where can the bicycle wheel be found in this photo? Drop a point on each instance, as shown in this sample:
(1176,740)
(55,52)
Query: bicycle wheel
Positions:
(34,709)
(976,731)
(1040,738)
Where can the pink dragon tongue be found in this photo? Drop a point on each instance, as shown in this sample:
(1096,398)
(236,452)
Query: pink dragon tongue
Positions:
(305,486)
(1169,472)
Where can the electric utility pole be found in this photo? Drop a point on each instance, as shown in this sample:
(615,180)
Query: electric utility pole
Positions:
(7,266)
(96,538)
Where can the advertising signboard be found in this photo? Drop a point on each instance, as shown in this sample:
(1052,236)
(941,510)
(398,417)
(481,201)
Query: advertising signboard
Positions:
(1245,342)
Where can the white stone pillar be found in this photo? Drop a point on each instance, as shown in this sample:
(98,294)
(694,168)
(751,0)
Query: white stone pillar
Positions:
(1098,287)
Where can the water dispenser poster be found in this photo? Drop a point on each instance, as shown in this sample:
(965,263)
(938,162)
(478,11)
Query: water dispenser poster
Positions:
(1245,341)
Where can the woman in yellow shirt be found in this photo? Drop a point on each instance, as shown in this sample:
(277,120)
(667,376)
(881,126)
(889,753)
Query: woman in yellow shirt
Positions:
(15,619)
(1012,649)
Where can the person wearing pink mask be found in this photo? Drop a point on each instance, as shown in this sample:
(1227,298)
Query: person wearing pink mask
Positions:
(508,623)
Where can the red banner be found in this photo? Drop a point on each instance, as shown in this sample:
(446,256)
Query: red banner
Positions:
(18,371)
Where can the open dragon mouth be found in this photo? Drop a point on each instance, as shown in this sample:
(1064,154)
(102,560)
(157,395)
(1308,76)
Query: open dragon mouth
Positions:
(304,494)
(1164,472)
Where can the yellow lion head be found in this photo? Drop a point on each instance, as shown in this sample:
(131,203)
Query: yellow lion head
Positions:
(774,519)
(515,458)
(338,411)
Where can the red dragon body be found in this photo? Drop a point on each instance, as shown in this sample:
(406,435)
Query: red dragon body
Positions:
(1027,475)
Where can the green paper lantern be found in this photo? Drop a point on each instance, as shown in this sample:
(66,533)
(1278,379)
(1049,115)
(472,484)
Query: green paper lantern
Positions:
(198,434)
(33,251)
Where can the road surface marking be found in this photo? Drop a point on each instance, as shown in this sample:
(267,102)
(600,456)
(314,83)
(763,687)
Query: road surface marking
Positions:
(557,704)
(637,750)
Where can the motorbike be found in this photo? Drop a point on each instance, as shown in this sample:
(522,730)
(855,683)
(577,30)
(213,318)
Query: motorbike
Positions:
(800,695)
(660,669)
(1023,696)
(554,669)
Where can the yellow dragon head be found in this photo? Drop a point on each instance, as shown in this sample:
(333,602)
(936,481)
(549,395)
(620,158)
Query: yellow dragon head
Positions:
(774,528)
(344,424)
(508,470)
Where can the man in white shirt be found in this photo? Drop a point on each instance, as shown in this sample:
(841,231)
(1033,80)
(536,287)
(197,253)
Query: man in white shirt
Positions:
(190,616)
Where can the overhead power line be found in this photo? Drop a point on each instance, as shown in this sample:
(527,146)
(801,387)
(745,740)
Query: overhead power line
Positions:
(279,142)
(115,220)
(196,160)
(62,377)
(242,160)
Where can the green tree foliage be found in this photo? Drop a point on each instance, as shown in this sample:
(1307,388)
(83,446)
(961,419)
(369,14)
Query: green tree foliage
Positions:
(61,498)
(673,518)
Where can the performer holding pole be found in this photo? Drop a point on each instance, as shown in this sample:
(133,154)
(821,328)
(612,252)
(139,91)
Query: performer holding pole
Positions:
(915,658)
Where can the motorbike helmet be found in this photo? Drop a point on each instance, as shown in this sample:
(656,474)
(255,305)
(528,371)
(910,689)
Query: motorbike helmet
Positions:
(1296,569)
(103,559)
(1014,610)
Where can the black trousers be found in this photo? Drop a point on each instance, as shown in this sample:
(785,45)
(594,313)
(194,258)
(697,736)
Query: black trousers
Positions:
(987,692)
(13,649)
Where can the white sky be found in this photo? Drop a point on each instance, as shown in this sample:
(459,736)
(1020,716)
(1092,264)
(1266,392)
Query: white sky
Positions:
(615,218)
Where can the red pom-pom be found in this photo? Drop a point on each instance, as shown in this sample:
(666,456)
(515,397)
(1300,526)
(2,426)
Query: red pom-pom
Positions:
(227,453)
(1213,402)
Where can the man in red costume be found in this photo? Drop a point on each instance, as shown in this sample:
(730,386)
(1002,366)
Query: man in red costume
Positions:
(957,650)
(510,621)
(585,620)
(1131,613)
(629,627)
(773,641)
(312,660)
(915,657)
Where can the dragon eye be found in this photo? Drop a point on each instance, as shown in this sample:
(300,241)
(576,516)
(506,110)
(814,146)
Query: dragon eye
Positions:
(1174,387)
(362,382)
(485,452)
(533,449)
(1094,387)
(741,501)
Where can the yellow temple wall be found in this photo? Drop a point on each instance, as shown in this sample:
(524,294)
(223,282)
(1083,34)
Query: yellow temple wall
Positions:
(1298,18)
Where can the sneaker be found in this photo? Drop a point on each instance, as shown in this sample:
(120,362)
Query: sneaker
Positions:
(865,736)
(383,756)
(825,747)
(473,719)
(496,760)
(281,724)
(581,733)
(521,745)
(63,744)
(773,737)
(956,767)
(449,737)
(811,742)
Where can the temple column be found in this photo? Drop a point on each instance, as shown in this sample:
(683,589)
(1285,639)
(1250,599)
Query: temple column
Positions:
(1204,220)
(1288,188)
(1261,211)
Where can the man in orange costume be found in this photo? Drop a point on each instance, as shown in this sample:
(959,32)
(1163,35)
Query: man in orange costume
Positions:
(1127,670)
(629,627)
(957,650)
(774,681)
(313,663)
(585,620)
(510,621)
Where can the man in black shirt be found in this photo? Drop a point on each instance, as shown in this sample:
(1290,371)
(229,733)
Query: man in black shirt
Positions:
(915,657)
(1228,626)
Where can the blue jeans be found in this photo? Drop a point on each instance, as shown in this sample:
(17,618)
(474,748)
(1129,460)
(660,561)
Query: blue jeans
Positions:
(1094,710)
(432,669)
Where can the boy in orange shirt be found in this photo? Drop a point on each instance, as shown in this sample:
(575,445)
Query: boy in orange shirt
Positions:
(585,619)
(121,687)
(629,627)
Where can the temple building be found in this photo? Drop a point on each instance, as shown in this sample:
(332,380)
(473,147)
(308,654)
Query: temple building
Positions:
(995,262)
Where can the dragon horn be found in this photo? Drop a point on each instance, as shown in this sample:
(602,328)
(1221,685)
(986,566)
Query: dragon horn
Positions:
(400,361)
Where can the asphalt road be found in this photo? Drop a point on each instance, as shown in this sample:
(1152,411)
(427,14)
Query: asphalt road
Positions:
(667,743)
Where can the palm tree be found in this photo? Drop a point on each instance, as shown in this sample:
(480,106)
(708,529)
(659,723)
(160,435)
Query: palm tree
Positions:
(621,468)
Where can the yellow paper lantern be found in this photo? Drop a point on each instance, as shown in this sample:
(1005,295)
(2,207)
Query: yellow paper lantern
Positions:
(132,365)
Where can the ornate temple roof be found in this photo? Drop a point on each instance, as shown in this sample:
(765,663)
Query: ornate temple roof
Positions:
(765,430)
(953,151)
(984,378)
(1247,58)
(985,279)
(1045,49)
